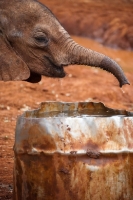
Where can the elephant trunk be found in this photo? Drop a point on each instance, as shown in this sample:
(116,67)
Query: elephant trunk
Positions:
(83,56)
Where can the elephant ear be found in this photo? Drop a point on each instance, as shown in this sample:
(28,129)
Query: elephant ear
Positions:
(12,67)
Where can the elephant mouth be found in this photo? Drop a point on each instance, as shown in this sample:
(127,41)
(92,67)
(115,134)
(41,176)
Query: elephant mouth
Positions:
(55,70)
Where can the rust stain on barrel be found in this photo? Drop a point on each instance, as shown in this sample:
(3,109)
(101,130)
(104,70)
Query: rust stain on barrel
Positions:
(61,160)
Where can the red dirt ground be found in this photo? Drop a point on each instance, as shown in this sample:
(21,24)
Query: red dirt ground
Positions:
(81,84)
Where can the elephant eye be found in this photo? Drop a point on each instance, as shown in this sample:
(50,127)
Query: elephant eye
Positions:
(0,32)
(42,40)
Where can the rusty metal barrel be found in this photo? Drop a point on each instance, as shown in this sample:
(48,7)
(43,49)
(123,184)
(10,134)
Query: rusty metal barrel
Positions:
(74,151)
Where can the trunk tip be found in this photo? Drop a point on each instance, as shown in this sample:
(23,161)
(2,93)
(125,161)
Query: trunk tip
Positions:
(124,82)
(110,65)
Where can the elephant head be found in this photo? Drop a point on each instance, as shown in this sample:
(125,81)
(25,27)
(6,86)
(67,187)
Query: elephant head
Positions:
(33,43)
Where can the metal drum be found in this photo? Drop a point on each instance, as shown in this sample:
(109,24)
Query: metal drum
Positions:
(74,151)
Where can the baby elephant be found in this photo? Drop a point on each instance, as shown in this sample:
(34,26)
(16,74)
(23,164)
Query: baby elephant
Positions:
(33,43)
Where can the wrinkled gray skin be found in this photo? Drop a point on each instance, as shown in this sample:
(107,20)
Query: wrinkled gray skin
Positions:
(33,43)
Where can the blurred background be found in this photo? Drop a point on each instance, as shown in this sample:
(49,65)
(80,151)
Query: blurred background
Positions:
(102,25)
(108,22)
